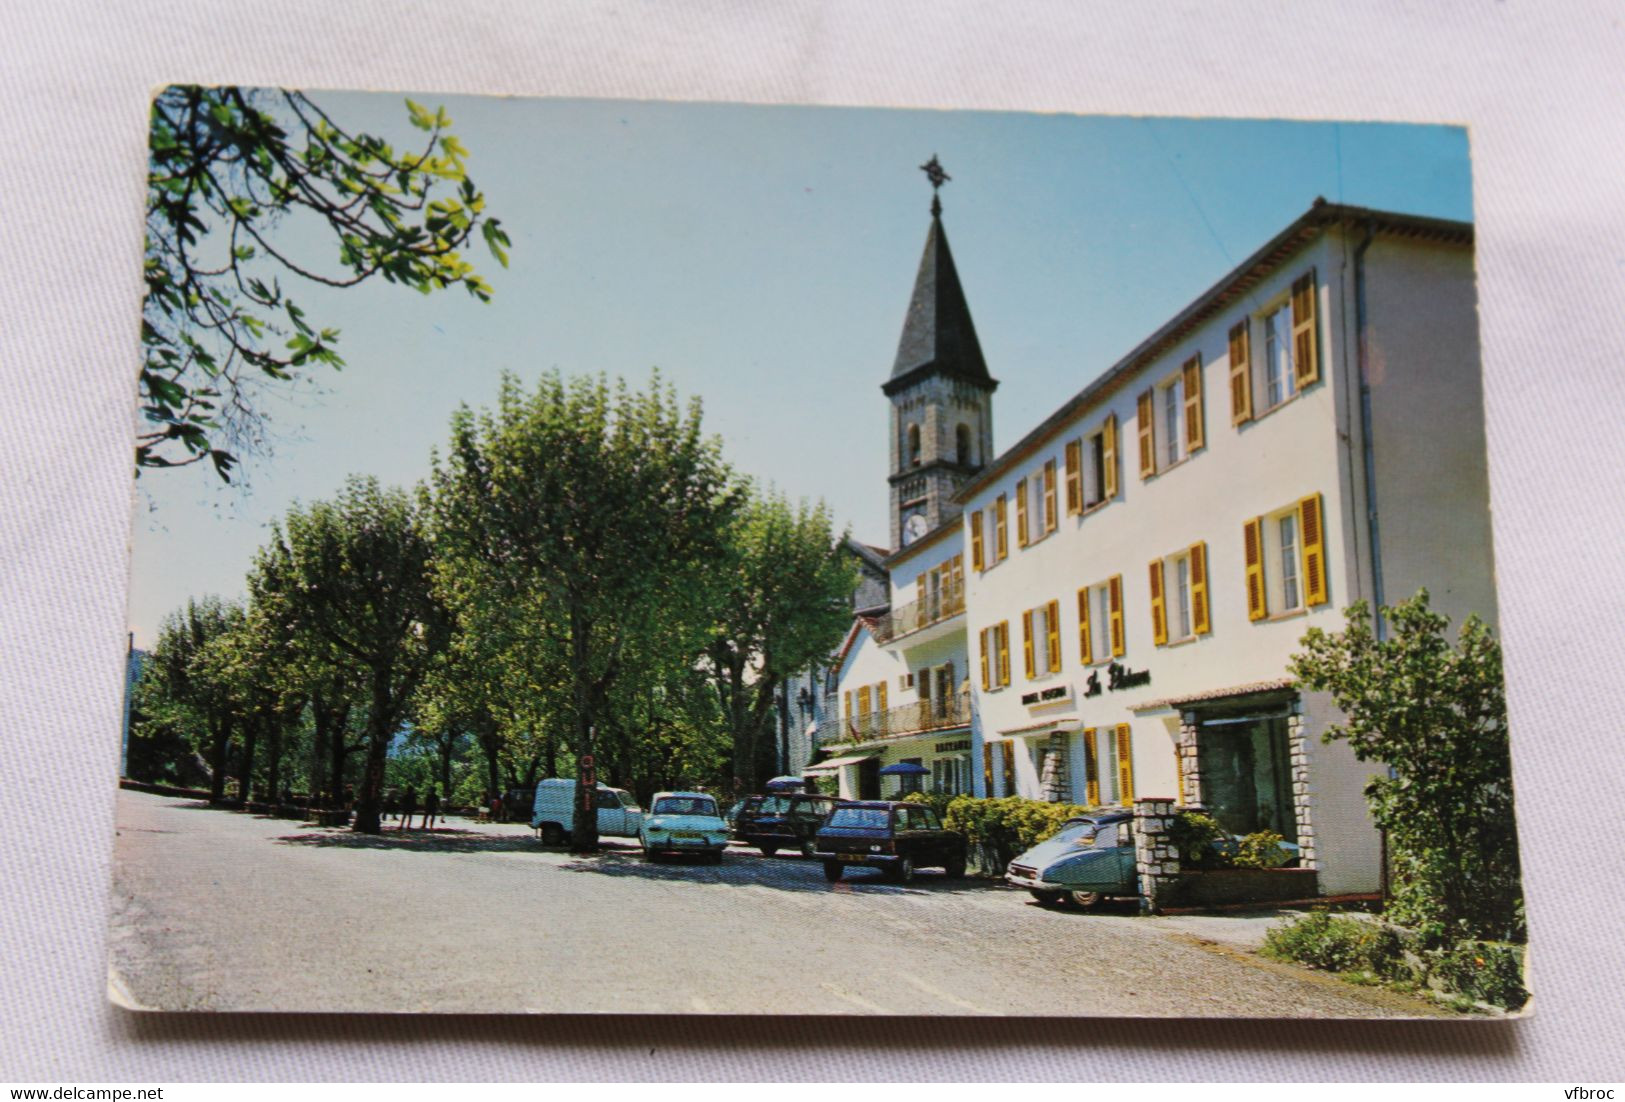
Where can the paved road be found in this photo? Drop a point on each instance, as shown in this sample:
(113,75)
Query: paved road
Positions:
(215,910)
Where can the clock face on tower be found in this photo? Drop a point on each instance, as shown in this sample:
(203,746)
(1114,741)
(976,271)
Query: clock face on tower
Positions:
(914,527)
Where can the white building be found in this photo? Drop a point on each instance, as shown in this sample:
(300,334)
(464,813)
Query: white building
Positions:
(1138,569)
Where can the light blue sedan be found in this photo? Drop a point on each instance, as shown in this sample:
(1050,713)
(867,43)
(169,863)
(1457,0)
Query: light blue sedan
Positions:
(1088,859)
(683,822)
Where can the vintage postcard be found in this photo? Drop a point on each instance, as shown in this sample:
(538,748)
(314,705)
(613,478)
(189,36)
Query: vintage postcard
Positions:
(617,557)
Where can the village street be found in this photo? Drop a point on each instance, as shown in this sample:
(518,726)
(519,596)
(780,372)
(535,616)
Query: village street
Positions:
(215,910)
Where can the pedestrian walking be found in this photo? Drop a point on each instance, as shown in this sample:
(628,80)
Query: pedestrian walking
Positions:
(409,807)
(431,808)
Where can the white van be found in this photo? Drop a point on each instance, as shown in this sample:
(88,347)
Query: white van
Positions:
(553,813)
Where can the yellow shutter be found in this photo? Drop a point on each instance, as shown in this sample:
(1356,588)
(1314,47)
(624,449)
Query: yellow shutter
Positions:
(1085,644)
(919,592)
(987,769)
(1148,438)
(1115,594)
(880,696)
(848,696)
(1051,520)
(1312,537)
(1252,541)
(1193,403)
(986,682)
(1021,512)
(1004,652)
(1179,776)
(1125,765)
(1108,458)
(1027,642)
(956,573)
(1199,616)
(1241,374)
(1001,532)
(1091,769)
(1159,615)
(863,701)
(1052,648)
(1305,340)
(976,560)
(1009,768)
(1074,477)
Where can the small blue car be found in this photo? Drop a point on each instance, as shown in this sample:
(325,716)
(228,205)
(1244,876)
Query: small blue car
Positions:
(683,822)
(1091,857)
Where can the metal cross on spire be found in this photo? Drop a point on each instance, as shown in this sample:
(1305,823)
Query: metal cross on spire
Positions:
(934,172)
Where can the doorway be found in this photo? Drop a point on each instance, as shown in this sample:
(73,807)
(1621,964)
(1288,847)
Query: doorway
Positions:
(1246,769)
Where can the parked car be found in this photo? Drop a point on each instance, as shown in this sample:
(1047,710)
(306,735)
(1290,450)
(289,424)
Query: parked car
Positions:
(892,836)
(1089,858)
(789,821)
(516,804)
(553,812)
(683,822)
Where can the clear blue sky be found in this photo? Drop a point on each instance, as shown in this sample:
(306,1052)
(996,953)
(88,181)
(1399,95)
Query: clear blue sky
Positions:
(762,258)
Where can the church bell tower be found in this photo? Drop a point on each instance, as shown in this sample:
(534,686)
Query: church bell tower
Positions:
(940,390)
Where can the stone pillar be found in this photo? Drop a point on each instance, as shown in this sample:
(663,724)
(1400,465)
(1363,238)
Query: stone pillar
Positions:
(1155,857)
(1302,791)
(1190,762)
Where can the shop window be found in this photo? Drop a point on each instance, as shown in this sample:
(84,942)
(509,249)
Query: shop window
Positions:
(1246,766)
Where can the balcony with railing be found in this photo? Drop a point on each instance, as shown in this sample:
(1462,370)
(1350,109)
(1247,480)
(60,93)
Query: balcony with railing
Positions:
(910,719)
(919,614)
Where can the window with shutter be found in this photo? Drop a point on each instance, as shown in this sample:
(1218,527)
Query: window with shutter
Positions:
(1086,650)
(1021,512)
(1091,769)
(1125,765)
(1305,339)
(1252,540)
(1001,537)
(1199,610)
(987,683)
(1052,646)
(1027,642)
(976,560)
(1159,612)
(1115,587)
(1051,519)
(1009,768)
(1074,477)
(1108,458)
(1148,437)
(1311,528)
(1004,652)
(1241,373)
(1193,403)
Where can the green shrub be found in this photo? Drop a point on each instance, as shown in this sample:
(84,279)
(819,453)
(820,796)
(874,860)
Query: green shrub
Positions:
(1195,833)
(1335,943)
(1488,971)
(1000,829)
(1261,850)
(936,801)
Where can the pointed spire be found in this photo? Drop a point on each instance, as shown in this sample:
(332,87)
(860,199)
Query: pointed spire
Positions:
(938,335)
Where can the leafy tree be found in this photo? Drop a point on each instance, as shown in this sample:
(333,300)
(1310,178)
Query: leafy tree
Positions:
(598,511)
(1436,715)
(788,602)
(353,576)
(182,686)
(229,169)
(249,663)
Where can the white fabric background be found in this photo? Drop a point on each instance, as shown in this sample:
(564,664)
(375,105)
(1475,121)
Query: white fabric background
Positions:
(1541,86)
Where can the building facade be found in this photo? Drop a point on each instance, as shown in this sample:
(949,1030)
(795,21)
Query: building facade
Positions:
(1133,575)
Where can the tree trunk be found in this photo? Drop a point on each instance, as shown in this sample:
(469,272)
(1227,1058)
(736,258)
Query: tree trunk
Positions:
(485,731)
(245,773)
(340,751)
(379,730)
(448,743)
(221,735)
(584,834)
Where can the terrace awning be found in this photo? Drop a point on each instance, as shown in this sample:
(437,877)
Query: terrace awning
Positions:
(833,764)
